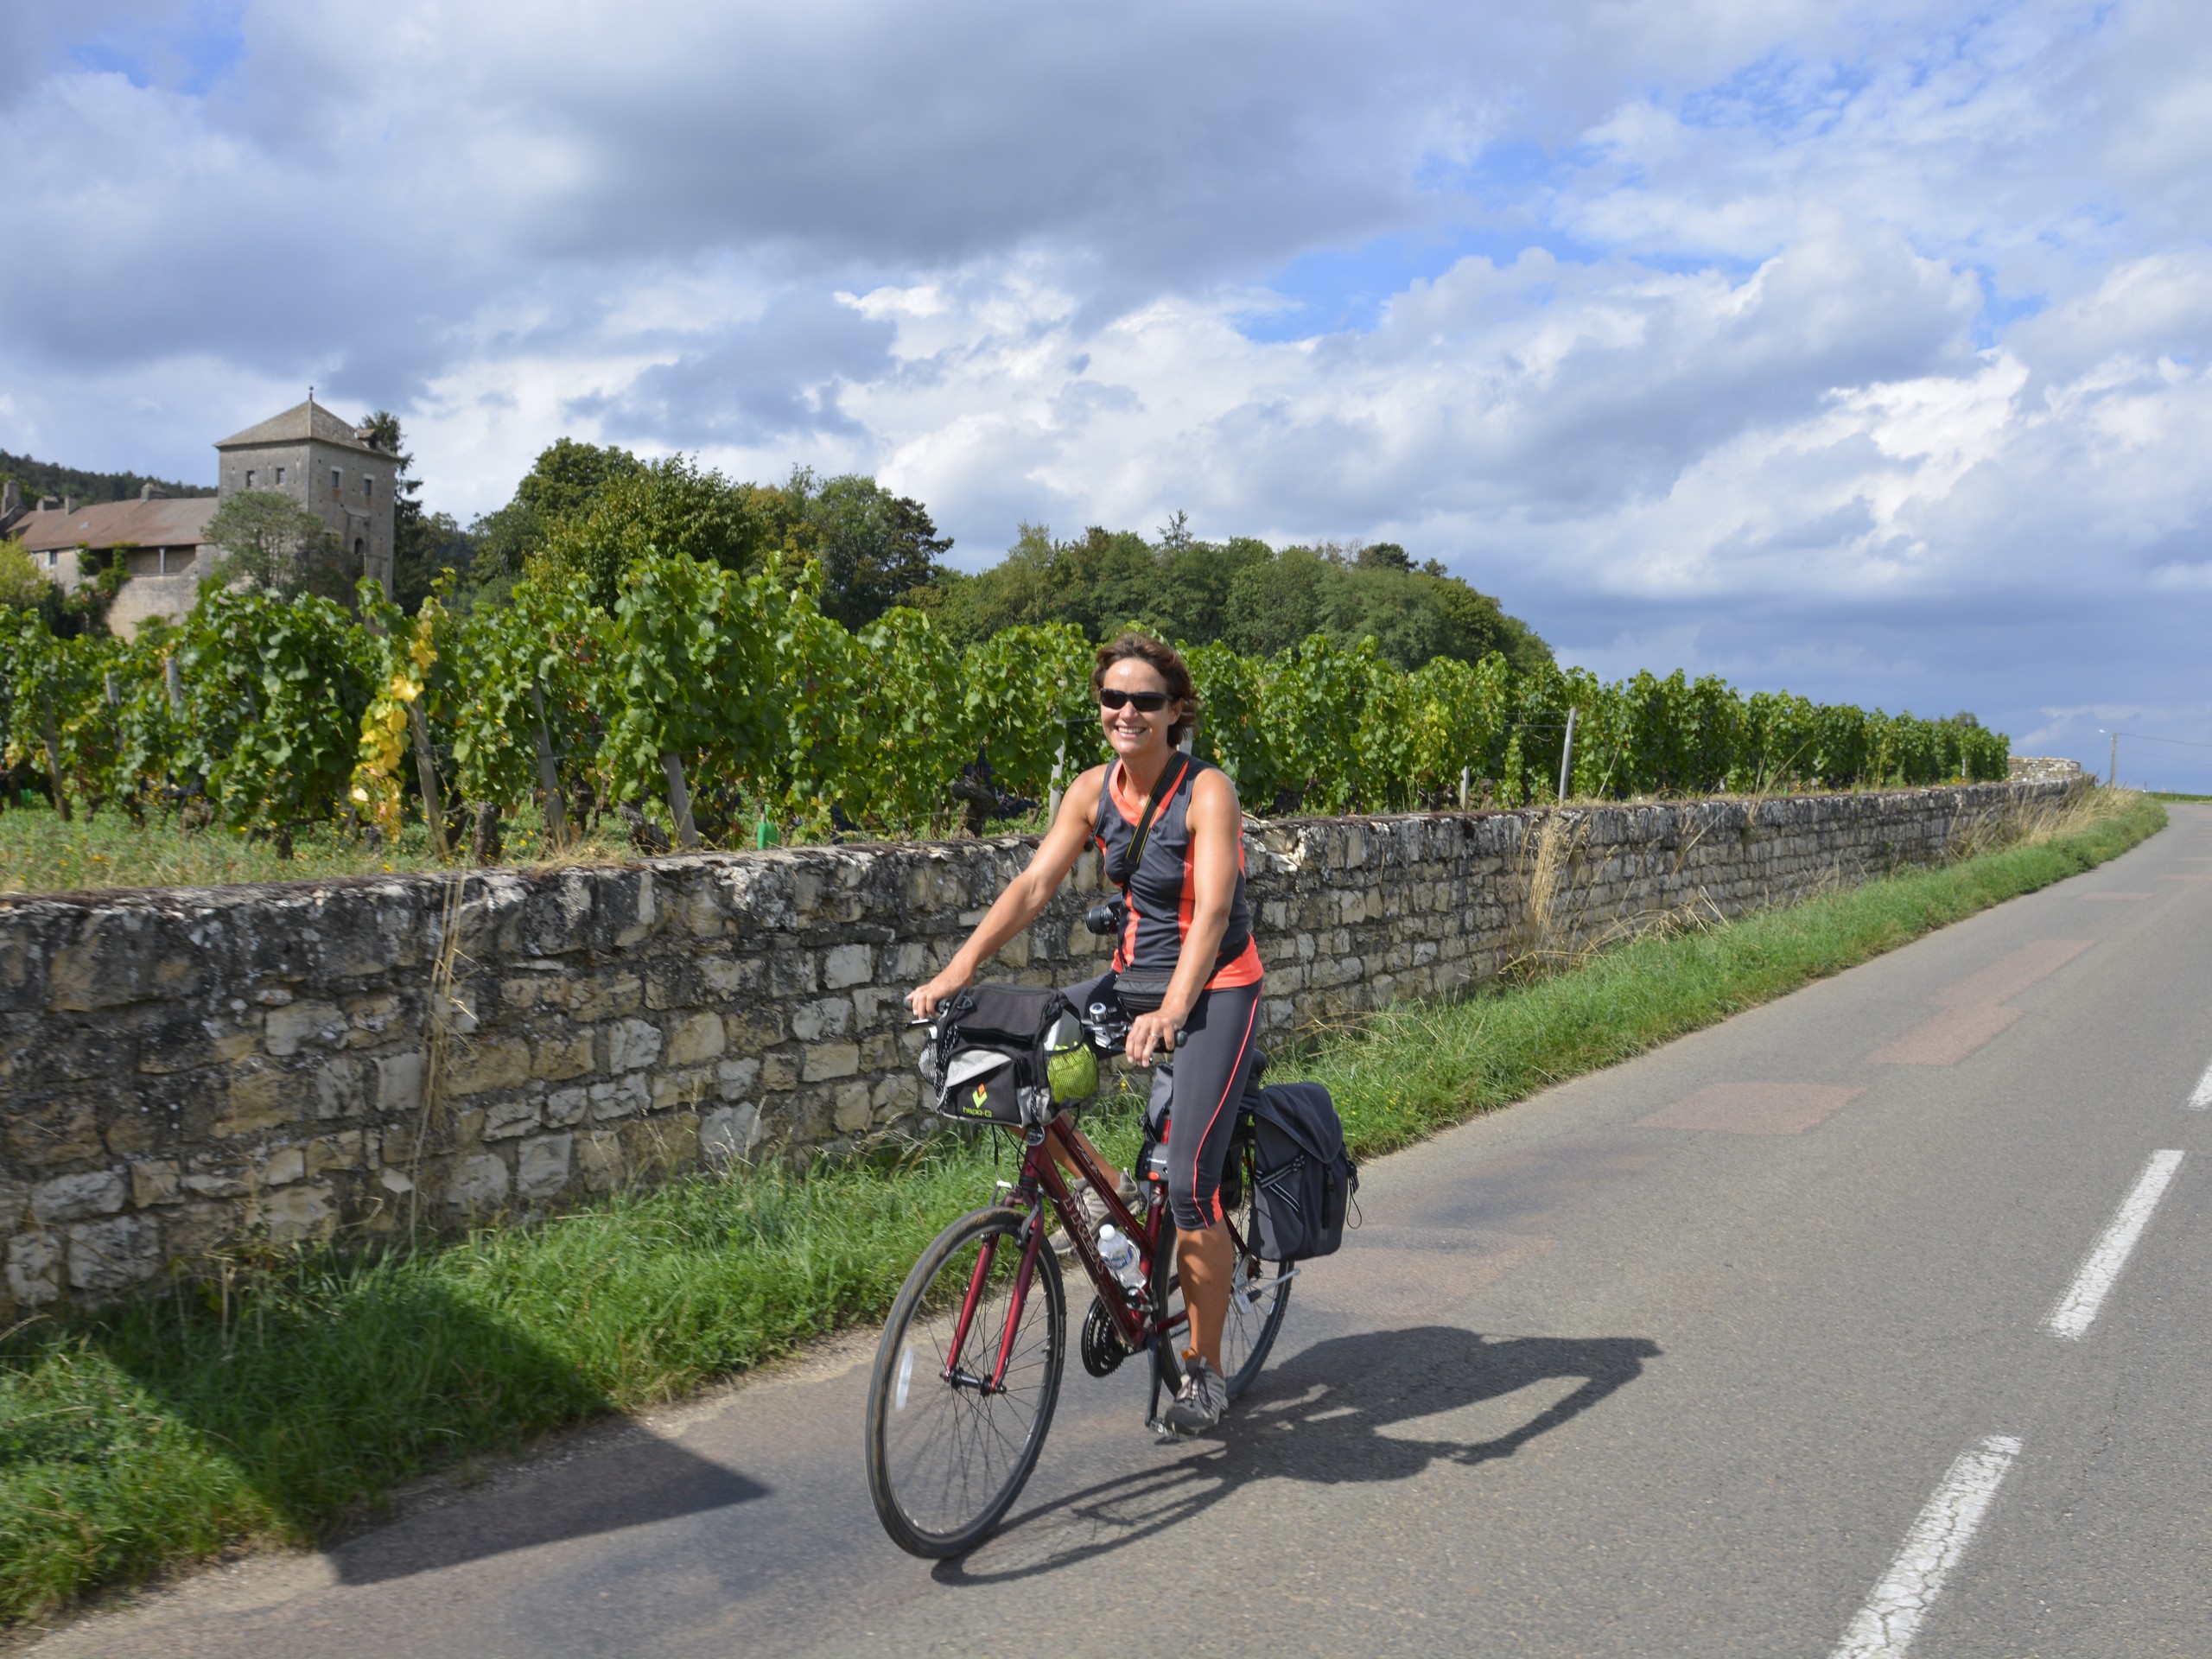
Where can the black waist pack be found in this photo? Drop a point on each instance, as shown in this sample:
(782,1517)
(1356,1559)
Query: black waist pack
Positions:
(1305,1181)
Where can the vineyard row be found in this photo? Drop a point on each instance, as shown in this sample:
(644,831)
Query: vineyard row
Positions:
(713,700)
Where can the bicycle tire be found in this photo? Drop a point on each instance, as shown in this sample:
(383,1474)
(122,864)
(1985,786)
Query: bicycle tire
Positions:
(934,1469)
(1259,1293)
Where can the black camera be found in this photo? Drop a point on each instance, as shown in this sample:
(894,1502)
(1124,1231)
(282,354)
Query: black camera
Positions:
(1108,915)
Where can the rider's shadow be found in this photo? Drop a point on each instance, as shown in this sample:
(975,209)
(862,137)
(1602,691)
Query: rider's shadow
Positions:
(1352,1408)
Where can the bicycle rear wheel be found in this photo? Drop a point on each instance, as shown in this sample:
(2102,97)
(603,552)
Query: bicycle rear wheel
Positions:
(1259,1293)
(947,1454)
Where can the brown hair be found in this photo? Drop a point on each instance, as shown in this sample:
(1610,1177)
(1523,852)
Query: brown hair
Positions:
(1174,674)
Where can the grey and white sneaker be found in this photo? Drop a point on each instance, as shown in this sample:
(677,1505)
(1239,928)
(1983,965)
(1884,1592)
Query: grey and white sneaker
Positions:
(1199,1402)
(1094,1213)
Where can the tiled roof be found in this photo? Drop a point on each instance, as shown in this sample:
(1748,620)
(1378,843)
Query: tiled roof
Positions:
(297,425)
(166,521)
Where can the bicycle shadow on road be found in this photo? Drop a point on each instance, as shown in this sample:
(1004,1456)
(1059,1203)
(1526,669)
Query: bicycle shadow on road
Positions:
(1347,1409)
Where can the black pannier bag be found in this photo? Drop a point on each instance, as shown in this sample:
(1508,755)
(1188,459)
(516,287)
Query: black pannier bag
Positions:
(989,1052)
(1305,1181)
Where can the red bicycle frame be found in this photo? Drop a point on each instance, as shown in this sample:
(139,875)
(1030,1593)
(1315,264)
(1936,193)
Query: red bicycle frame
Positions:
(1041,1182)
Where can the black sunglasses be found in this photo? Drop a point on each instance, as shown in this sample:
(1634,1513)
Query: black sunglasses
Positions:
(1147,702)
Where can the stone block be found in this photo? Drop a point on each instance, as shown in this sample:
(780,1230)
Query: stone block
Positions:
(779,1068)
(852,1110)
(832,1017)
(692,1087)
(599,1159)
(541,1166)
(290,1029)
(728,1134)
(114,1254)
(827,1060)
(475,1068)
(256,1101)
(349,1150)
(477,1182)
(74,1197)
(505,1118)
(296,1212)
(737,1078)
(400,1082)
(134,1130)
(694,1037)
(564,1107)
(632,1044)
(284,1165)
(752,1028)
(342,1089)
(557,1058)
(661,1145)
(847,965)
(210,1180)
(606,996)
(622,1098)
(35,1267)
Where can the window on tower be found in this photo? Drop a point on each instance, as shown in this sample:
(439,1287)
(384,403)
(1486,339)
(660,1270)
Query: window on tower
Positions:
(368,486)
(249,478)
(337,488)
(280,478)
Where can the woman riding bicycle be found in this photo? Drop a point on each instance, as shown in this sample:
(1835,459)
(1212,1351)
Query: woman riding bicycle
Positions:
(1188,924)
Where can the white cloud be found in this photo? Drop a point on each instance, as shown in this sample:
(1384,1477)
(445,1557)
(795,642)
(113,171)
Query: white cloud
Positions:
(1867,347)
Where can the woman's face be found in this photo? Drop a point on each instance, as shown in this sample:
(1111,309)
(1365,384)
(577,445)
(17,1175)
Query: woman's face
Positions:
(1131,731)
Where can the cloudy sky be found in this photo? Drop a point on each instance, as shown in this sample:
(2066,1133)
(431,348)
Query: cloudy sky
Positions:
(1857,349)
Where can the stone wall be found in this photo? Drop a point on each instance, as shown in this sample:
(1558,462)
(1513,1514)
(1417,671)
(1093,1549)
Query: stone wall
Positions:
(187,1068)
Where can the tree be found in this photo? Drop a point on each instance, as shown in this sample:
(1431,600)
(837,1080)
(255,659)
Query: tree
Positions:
(670,507)
(563,482)
(425,545)
(272,542)
(22,584)
(876,548)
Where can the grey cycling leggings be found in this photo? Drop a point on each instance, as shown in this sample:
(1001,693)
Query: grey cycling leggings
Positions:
(1210,1064)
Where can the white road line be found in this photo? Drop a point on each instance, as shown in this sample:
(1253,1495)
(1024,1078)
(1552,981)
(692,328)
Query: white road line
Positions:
(2077,1308)
(2201,1099)
(1940,1535)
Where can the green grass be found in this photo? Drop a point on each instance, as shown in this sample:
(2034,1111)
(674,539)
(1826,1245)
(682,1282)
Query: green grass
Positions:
(41,854)
(2169,795)
(161,1431)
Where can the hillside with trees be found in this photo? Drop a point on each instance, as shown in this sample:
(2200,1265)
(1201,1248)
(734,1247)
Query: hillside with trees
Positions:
(39,478)
(596,511)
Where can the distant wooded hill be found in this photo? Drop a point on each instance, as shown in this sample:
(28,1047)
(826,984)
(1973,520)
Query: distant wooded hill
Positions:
(49,478)
(1239,592)
(592,512)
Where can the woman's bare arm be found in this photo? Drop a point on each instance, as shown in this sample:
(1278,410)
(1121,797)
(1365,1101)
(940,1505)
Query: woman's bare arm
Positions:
(1024,898)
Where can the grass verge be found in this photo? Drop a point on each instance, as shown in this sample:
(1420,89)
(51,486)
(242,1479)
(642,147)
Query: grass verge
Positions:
(164,1430)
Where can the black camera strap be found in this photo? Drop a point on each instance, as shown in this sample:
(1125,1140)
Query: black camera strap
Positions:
(1135,998)
(1160,791)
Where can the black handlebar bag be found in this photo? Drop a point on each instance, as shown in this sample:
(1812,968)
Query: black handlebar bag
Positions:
(990,1056)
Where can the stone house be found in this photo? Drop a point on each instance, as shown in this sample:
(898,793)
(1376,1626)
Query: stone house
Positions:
(318,460)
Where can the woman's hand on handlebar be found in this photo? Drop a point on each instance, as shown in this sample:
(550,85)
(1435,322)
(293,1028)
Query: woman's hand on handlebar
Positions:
(1153,1034)
(924,1000)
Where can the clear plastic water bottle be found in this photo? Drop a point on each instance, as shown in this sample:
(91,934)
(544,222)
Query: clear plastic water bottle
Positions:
(1119,1252)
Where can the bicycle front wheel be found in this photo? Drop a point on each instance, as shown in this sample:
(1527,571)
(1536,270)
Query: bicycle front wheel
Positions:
(949,1448)
(1259,1291)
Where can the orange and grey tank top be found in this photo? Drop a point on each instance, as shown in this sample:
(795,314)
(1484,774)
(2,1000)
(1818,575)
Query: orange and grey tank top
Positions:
(1160,889)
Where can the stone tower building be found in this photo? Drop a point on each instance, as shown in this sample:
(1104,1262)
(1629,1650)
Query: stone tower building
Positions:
(326,465)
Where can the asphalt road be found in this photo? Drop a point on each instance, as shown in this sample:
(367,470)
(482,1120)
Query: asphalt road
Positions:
(1740,1349)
